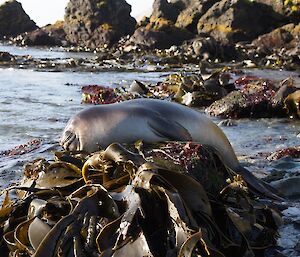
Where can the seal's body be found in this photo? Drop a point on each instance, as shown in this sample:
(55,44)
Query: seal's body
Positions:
(143,119)
(149,120)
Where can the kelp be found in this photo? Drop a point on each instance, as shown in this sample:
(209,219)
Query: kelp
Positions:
(169,199)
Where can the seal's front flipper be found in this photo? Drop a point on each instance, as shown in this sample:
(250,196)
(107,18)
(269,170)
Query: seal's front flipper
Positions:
(170,130)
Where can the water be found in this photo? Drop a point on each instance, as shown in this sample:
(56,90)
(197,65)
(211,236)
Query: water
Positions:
(43,53)
(36,104)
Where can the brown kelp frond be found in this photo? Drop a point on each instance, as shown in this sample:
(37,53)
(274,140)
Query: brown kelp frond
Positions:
(170,199)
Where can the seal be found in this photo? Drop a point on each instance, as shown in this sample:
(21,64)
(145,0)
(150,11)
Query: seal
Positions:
(151,120)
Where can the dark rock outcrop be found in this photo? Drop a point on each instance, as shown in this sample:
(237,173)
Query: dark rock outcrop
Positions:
(160,34)
(96,23)
(190,15)
(164,9)
(49,35)
(14,20)
(6,57)
(286,37)
(289,8)
(56,30)
(253,100)
(238,20)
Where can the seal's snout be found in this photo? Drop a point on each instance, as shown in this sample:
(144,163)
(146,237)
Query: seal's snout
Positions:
(69,141)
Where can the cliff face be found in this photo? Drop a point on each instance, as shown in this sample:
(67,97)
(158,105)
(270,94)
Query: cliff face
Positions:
(14,20)
(96,23)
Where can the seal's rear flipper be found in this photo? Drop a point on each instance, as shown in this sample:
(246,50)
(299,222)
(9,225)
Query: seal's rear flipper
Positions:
(258,186)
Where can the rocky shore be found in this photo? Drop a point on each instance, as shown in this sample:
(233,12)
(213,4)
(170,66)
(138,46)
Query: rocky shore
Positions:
(207,34)
(102,204)
(266,33)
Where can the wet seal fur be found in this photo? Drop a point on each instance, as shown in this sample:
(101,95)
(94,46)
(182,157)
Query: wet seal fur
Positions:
(152,121)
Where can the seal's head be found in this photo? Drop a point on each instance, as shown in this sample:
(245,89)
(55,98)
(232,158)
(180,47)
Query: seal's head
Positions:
(80,132)
(69,141)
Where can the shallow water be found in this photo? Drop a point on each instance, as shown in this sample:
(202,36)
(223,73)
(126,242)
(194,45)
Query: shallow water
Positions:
(37,104)
(43,53)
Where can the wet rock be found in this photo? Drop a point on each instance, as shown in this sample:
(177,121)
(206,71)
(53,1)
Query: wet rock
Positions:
(192,90)
(297,247)
(292,104)
(238,20)
(274,176)
(287,87)
(291,152)
(277,38)
(159,34)
(94,23)
(14,20)
(36,38)
(273,253)
(96,94)
(6,57)
(289,187)
(283,40)
(23,149)
(227,123)
(253,100)
(138,87)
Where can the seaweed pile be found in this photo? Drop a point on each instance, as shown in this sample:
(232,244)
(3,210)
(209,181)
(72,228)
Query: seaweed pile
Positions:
(168,199)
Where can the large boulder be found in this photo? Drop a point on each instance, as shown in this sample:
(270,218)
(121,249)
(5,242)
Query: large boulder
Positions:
(14,20)
(184,13)
(49,35)
(275,39)
(97,23)
(159,34)
(190,15)
(231,21)
(289,8)
(164,9)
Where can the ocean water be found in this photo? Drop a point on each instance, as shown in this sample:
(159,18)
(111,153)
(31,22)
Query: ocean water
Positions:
(37,105)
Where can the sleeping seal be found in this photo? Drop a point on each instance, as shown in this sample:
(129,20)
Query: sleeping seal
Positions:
(152,121)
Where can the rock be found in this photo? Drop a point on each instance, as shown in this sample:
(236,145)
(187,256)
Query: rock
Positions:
(164,9)
(292,104)
(273,253)
(160,34)
(289,187)
(238,20)
(138,87)
(49,35)
(277,38)
(6,57)
(277,49)
(287,87)
(36,38)
(290,9)
(254,100)
(189,17)
(286,37)
(56,31)
(96,23)
(14,20)
(227,123)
